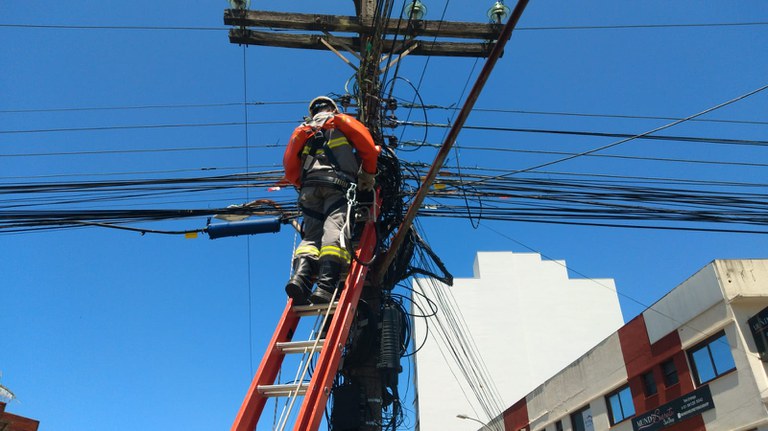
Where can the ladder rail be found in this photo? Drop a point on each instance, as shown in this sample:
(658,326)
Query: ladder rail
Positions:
(311,412)
(319,387)
(254,402)
(305,368)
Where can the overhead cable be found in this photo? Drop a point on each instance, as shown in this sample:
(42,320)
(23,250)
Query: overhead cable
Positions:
(536,28)
(649,132)
(703,140)
(141,126)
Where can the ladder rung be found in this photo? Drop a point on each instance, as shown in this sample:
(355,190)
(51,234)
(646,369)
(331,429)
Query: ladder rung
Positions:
(299,346)
(283,390)
(313,310)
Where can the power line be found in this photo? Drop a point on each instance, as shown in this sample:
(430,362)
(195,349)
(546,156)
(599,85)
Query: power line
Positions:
(703,140)
(408,105)
(645,26)
(634,179)
(611,156)
(137,151)
(609,201)
(133,173)
(143,126)
(144,107)
(118,108)
(111,27)
(533,28)
(585,114)
(657,129)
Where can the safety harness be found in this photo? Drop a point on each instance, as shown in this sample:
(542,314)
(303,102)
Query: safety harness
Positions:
(335,178)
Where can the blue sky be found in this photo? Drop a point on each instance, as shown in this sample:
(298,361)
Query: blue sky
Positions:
(107,329)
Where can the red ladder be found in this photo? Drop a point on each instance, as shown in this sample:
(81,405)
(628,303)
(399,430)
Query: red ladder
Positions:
(318,389)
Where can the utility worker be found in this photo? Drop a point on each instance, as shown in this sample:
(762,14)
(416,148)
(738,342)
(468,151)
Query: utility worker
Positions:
(323,160)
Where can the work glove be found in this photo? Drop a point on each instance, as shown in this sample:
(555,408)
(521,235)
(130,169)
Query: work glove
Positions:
(365,181)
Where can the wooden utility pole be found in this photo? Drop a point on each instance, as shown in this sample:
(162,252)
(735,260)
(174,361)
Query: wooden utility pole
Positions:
(375,42)
(362,25)
(370,37)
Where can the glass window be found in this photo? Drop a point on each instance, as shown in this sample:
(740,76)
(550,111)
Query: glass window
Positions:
(649,384)
(620,405)
(712,358)
(582,420)
(669,371)
(559,426)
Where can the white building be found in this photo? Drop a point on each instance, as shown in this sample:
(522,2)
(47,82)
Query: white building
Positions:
(693,361)
(527,319)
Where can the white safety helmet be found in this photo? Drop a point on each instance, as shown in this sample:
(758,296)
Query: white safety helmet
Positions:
(321,103)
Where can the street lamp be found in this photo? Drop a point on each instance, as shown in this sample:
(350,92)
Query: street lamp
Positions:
(460,416)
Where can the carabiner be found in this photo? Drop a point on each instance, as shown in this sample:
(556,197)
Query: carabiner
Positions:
(352,194)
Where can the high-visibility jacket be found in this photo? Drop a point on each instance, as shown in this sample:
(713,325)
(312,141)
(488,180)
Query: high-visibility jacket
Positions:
(344,133)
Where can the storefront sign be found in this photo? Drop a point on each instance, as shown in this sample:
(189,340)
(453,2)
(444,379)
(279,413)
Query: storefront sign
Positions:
(758,324)
(677,410)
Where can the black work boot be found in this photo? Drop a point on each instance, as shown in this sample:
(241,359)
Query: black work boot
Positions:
(299,287)
(327,280)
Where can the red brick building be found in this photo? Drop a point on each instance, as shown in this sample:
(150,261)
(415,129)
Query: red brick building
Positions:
(12,422)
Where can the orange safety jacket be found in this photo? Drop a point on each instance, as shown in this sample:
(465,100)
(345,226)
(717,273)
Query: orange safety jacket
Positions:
(352,129)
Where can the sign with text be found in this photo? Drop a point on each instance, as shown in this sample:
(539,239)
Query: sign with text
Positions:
(758,324)
(689,405)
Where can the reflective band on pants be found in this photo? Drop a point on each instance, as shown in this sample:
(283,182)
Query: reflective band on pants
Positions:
(324,234)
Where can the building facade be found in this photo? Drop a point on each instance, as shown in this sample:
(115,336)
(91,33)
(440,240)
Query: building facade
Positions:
(509,291)
(693,361)
(12,422)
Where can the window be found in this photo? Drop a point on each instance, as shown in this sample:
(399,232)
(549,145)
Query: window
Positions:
(711,359)
(582,420)
(620,405)
(669,371)
(559,426)
(649,384)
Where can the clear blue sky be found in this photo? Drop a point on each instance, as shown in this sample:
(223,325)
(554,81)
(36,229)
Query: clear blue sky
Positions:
(112,330)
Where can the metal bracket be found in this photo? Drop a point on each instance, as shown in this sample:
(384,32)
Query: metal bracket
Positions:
(399,57)
(335,51)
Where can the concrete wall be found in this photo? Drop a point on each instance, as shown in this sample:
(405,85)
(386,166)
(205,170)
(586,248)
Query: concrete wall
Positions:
(574,387)
(696,294)
(528,320)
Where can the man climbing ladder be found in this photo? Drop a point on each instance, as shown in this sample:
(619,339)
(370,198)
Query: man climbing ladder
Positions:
(328,158)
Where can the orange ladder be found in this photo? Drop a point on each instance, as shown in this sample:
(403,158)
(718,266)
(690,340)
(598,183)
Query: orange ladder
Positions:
(318,389)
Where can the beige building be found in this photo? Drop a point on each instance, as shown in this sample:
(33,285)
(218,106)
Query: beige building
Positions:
(693,361)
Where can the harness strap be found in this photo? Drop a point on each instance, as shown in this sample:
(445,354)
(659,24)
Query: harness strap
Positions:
(318,140)
(329,154)
(323,180)
(336,205)
(319,146)
(310,213)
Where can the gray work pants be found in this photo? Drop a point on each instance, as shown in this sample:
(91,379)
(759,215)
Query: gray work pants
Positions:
(322,236)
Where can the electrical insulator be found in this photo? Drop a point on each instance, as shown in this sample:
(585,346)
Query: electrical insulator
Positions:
(498,12)
(239,4)
(415,10)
